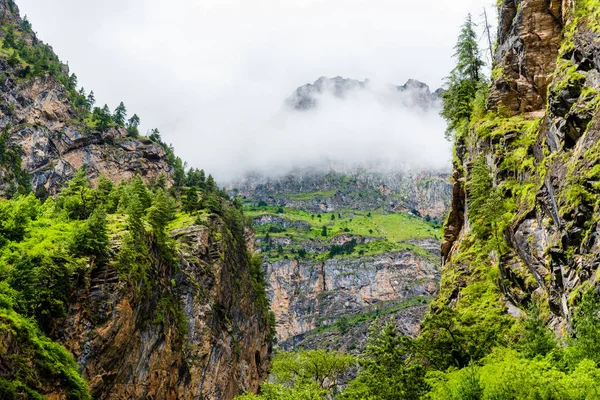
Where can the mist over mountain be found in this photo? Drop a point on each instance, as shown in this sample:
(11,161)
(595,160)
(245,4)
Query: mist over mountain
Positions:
(337,123)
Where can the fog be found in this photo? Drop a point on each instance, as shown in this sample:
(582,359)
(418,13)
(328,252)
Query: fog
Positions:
(376,127)
(212,75)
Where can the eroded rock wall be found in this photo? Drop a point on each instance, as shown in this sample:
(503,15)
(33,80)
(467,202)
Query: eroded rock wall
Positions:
(196,334)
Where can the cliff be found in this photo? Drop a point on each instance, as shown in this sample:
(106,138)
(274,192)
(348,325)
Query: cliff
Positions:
(540,146)
(48,125)
(342,249)
(217,347)
(424,193)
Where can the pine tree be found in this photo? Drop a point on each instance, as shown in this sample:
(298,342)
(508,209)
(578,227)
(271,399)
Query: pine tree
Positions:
(133,124)
(120,114)
(161,213)
(72,82)
(464,81)
(139,189)
(211,185)
(9,39)
(91,100)
(191,202)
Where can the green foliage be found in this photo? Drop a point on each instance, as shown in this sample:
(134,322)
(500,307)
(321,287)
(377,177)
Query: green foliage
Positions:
(464,82)
(77,199)
(387,371)
(120,115)
(161,213)
(309,375)
(536,339)
(36,362)
(91,238)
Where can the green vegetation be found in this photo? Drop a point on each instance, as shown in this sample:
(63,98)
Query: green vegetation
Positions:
(304,375)
(465,80)
(389,232)
(48,248)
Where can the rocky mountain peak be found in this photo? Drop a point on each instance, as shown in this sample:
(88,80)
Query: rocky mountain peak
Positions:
(307,97)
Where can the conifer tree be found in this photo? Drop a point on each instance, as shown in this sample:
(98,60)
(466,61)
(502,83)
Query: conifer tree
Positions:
(161,213)
(91,100)
(464,80)
(120,114)
(191,202)
(211,185)
(133,124)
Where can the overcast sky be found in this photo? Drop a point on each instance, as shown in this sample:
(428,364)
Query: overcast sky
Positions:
(207,73)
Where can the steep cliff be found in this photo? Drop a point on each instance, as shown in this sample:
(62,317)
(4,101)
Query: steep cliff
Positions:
(215,344)
(47,125)
(540,146)
(341,250)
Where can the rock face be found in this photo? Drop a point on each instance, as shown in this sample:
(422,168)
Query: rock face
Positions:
(423,193)
(129,346)
(38,118)
(553,239)
(529,36)
(327,290)
(305,295)
(414,93)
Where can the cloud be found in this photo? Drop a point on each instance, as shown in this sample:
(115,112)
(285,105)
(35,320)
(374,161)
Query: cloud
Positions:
(214,72)
(377,127)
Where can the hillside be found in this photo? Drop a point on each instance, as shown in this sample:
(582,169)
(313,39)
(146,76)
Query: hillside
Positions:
(121,275)
(51,127)
(341,250)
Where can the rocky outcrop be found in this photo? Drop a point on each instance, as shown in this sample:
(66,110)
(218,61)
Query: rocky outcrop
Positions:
(413,93)
(215,345)
(529,36)
(316,191)
(41,123)
(553,238)
(307,294)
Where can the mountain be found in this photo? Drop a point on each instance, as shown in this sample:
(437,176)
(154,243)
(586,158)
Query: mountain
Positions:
(413,92)
(378,255)
(549,116)
(121,276)
(344,245)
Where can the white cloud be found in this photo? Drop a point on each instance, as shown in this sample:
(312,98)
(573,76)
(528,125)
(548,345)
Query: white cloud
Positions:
(210,74)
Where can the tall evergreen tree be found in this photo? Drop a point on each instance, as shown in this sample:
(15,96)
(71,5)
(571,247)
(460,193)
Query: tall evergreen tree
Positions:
(120,114)
(133,124)
(464,80)
(161,213)
(91,100)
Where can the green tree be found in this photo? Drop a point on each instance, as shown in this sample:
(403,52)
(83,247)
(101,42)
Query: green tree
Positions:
(311,367)
(464,80)
(161,213)
(120,114)
(387,372)
(191,202)
(9,39)
(92,237)
(132,125)
(77,199)
(91,100)
(324,231)
(102,117)
(211,185)
(536,339)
